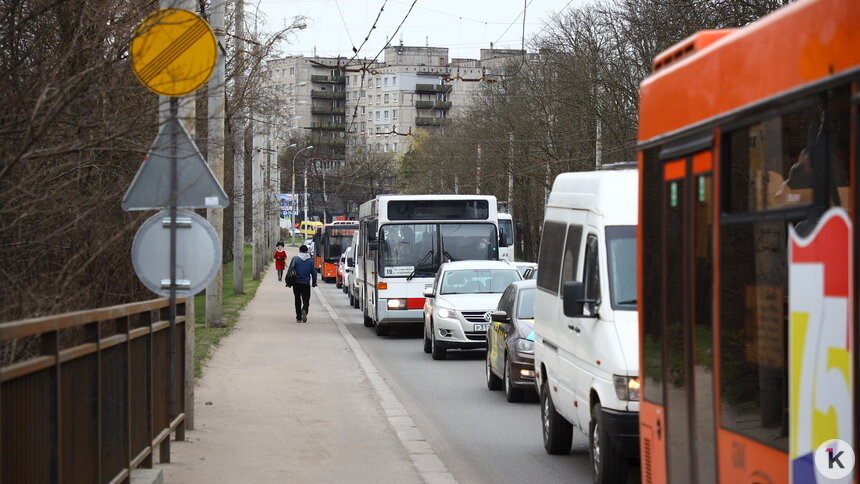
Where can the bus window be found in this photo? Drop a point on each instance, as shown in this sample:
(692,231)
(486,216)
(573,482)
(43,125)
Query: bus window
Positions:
(777,162)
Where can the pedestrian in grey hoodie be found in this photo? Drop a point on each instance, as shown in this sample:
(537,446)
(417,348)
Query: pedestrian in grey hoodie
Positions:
(306,277)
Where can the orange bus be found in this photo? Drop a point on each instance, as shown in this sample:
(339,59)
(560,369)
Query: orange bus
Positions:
(748,270)
(329,242)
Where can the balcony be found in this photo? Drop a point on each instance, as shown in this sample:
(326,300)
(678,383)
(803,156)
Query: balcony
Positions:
(327,110)
(328,94)
(419,121)
(433,104)
(329,79)
(432,88)
(330,142)
(329,126)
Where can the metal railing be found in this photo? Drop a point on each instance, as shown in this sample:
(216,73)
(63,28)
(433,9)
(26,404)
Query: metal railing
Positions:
(327,110)
(336,126)
(432,87)
(433,104)
(421,121)
(328,94)
(94,403)
(329,79)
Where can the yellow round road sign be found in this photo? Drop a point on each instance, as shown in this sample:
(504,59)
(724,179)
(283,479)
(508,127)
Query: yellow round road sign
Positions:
(173,52)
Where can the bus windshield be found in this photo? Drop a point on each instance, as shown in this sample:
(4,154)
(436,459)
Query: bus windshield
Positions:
(621,255)
(506,231)
(336,245)
(409,250)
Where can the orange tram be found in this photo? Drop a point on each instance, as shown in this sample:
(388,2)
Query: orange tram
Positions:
(330,241)
(748,263)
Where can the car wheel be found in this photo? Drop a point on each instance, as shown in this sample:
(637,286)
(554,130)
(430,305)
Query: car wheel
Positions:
(607,466)
(493,382)
(557,432)
(381,329)
(437,351)
(368,321)
(428,346)
(512,394)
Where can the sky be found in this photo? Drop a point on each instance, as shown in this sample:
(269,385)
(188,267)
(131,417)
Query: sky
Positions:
(464,26)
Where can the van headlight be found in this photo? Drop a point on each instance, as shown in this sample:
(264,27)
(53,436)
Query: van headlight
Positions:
(525,346)
(446,313)
(626,387)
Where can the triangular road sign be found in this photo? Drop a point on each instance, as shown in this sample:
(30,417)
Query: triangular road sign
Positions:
(196,185)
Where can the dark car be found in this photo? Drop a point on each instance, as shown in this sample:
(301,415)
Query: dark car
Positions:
(510,342)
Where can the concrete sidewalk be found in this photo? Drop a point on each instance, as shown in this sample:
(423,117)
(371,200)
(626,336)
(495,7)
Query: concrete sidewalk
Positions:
(282,401)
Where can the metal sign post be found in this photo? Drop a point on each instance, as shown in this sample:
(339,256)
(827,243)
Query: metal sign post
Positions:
(174,177)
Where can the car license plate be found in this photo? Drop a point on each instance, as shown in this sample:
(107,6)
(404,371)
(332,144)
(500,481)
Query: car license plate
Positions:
(480,327)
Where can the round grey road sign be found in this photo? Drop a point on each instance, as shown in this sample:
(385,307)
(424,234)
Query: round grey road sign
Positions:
(198,253)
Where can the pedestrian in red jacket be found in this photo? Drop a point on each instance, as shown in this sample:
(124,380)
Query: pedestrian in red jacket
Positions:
(280,260)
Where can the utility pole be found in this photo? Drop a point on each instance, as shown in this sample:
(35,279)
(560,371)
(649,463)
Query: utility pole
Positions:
(511,173)
(215,152)
(305,183)
(239,155)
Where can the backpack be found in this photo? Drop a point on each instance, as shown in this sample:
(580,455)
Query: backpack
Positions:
(291,276)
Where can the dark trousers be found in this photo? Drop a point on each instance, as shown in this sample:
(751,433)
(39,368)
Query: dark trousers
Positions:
(302,293)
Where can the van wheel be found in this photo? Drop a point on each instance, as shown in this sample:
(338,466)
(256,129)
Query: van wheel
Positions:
(368,321)
(493,382)
(557,432)
(437,351)
(606,465)
(381,329)
(512,394)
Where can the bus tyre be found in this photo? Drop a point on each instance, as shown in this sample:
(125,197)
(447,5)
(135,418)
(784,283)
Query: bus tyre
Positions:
(437,351)
(381,329)
(512,394)
(428,346)
(368,321)
(607,466)
(557,432)
(493,382)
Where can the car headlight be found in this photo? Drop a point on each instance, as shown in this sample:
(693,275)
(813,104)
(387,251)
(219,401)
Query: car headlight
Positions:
(397,304)
(446,313)
(525,346)
(626,387)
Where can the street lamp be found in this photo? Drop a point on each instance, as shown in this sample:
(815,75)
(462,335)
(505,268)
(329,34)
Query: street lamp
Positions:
(294,184)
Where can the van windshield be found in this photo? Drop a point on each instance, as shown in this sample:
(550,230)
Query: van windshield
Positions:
(621,256)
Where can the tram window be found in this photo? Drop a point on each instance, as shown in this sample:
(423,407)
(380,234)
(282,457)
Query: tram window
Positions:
(753,330)
(651,306)
(552,241)
(777,162)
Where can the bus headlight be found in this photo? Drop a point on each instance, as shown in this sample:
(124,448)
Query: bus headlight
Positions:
(397,304)
(446,313)
(626,387)
(525,346)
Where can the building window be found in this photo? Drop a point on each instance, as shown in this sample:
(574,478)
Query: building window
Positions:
(362,94)
(393,80)
(385,148)
(395,146)
(386,98)
(394,114)
(378,147)
(363,125)
(385,114)
(363,110)
(347,80)
(377,115)
(292,71)
(378,99)
(377,82)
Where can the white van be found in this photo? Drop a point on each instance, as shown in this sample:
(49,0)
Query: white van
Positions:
(586,319)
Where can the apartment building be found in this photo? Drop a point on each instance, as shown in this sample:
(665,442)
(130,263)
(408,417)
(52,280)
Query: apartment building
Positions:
(346,107)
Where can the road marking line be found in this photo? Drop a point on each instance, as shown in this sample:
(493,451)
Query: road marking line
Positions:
(429,466)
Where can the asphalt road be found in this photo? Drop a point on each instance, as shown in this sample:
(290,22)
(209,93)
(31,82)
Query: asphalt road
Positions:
(476,432)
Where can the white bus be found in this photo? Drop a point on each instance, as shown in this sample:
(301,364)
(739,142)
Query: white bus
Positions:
(404,239)
(506,232)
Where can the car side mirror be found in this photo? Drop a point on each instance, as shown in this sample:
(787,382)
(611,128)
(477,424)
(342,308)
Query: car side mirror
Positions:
(428,292)
(500,317)
(573,299)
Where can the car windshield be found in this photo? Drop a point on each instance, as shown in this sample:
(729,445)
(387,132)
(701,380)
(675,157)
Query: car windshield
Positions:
(621,255)
(478,281)
(526,304)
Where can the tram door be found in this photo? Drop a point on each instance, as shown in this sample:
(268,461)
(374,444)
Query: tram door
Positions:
(688,294)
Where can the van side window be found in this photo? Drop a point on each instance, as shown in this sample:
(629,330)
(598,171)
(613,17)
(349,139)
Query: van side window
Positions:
(571,253)
(551,246)
(591,277)
(506,302)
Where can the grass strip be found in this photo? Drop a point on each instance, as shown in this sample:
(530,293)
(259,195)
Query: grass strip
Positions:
(208,339)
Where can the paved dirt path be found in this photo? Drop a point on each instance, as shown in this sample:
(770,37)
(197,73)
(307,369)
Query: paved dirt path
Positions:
(287,402)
